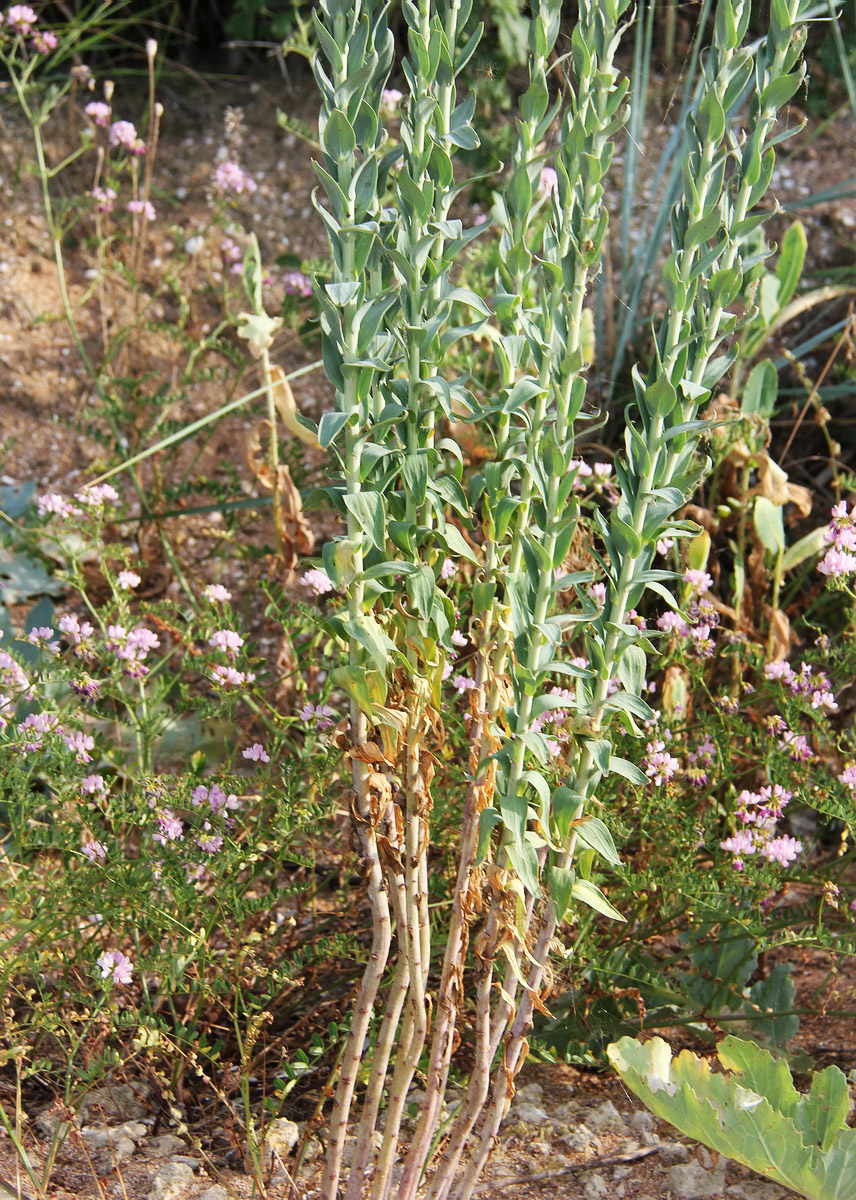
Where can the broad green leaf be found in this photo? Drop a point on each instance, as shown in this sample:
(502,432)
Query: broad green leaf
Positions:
(365,688)
(593,833)
(807,547)
(628,770)
(754,1124)
(660,397)
(369,510)
(631,669)
(769,525)
(790,262)
(589,893)
(820,1115)
(759,391)
(560,881)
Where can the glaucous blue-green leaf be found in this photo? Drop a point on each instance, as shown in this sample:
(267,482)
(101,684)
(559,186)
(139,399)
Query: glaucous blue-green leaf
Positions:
(749,1113)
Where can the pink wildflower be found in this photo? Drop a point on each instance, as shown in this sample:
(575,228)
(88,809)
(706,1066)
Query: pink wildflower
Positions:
(99,111)
(94,850)
(659,764)
(230,177)
(93,785)
(448,569)
(44,41)
(226,640)
(56,505)
(171,829)
(741,843)
(672,622)
(142,208)
(699,581)
(548,184)
(116,964)
(128,580)
(80,744)
(229,677)
(95,495)
(216,593)
(390,100)
(317,581)
(21,18)
(104,198)
(297,284)
(124,134)
(782,850)
(42,637)
(256,753)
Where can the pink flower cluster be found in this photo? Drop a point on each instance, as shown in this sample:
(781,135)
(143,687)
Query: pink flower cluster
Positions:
(758,812)
(297,284)
(232,178)
(256,753)
(390,100)
(226,640)
(21,19)
(142,208)
(840,559)
(660,765)
(215,797)
(93,496)
(37,726)
(78,632)
(216,593)
(548,184)
(132,647)
(815,687)
(115,966)
(233,256)
(320,713)
(104,198)
(124,134)
(317,581)
(100,112)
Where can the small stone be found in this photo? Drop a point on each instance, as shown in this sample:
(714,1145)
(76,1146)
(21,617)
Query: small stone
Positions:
(133,1131)
(595,1186)
(527,1114)
(312,1150)
(120,1151)
(163,1145)
(568,1113)
(581,1139)
(606,1119)
(674,1152)
(172,1181)
(281,1136)
(755,1189)
(642,1121)
(690,1179)
(530,1093)
(217,1192)
(118,1102)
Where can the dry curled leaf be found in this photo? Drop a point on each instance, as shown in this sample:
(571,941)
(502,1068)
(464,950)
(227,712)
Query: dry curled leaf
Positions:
(286,406)
(295,535)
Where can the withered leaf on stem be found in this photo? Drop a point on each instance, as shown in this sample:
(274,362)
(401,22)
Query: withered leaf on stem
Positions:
(296,536)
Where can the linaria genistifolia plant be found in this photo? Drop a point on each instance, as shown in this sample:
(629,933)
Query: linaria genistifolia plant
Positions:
(389,317)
